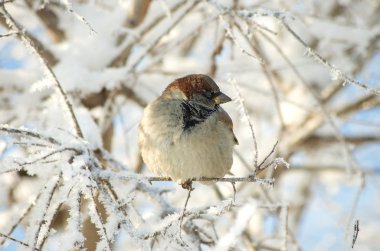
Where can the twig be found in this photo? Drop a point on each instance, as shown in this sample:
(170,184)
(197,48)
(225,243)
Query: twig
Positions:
(24,214)
(45,208)
(218,48)
(28,133)
(49,155)
(338,74)
(280,16)
(189,187)
(17,241)
(9,34)
(12,24)
(268,74)
(50,220)
(193,213)
(250,178)
(285,215)
(229,33)
(270,153)
(193,34)
(325,113)
(246,115)
(97,219)
(122,57)
(355,202)
(155,41)
(70,9)
(356,233)
(234,188)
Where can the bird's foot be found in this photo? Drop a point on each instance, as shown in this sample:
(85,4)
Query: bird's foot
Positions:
(188,185)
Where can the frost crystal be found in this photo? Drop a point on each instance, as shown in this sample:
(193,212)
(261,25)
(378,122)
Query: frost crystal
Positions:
(335,74)
(41,84)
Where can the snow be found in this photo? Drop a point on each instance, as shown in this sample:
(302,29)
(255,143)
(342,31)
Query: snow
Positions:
(243,217)
(45,165)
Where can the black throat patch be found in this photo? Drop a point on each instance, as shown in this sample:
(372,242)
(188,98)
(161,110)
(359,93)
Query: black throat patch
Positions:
(195,113)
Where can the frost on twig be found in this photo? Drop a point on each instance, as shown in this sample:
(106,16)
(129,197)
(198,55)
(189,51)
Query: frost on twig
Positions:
(29,44)
(62,190)
(335,72)
(246,116)
(356,233)
(77,176)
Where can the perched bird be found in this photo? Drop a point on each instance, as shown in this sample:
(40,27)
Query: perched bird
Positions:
(185,134)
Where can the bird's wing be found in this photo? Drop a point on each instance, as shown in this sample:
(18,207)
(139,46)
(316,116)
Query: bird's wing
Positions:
(226,119)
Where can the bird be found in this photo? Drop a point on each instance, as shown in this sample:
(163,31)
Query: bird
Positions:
(185,134)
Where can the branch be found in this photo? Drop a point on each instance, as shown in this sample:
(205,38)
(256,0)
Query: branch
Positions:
(9,34)
(12,24)
(250,178)
(17,241)
(54,152)
(280,16)
(326,114)
(45,208)
(337,74)
(155,41)
(26,132)
(23,215)
(356,233)
(246,115)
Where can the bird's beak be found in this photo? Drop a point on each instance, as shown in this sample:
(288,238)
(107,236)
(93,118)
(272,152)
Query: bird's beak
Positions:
(221,98)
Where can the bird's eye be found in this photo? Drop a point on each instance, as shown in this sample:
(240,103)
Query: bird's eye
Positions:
(208,95)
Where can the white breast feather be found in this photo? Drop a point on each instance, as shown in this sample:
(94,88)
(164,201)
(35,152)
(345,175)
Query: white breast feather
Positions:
(203,151)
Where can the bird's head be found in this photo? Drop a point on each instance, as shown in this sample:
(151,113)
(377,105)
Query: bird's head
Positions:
(196,88)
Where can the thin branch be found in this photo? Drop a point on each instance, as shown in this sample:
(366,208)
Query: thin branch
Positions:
(246,115)
(70,9)
(285,216)
(335,169)
(57,151)
(268,74)
(122,57)
(355,203)
(248,15)
(327,116)
(269,154)
(234,188)
(17,241)
(250,178)
(189,188)
(49,221)
(45,209)
(12,24)
(28,133)
(230,34)
(97,219)
(356,233)
(155,41)
(9,34)
(24,214)
(218,48)
(338,74)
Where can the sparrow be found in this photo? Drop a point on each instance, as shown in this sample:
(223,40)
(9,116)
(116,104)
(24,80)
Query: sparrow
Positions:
(185,134)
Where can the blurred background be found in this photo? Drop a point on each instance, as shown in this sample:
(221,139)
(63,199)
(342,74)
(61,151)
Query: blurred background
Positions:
(307,73)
